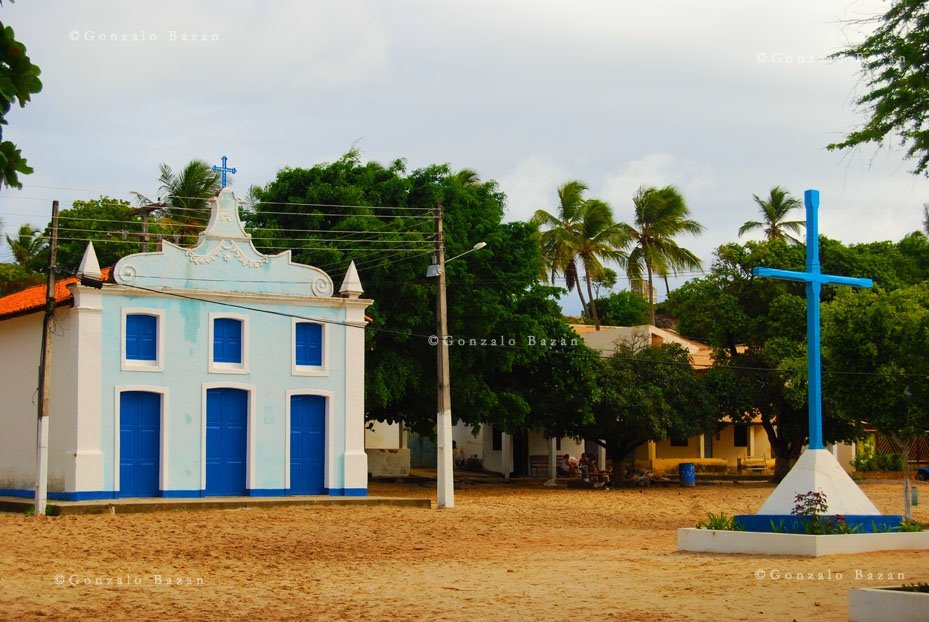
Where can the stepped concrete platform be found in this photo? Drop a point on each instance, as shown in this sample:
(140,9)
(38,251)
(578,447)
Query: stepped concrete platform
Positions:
(816,471)
(160,504)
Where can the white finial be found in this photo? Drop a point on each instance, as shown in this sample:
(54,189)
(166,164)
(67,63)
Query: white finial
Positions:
(89,264)
(351,284)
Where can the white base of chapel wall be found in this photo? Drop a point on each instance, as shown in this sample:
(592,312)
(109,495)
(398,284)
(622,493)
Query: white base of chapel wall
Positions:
(356,473)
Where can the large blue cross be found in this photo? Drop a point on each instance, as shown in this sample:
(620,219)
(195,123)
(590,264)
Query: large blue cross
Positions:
(814,280)
(223,169)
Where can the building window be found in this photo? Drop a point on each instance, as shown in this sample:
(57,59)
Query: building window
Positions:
(558,443)
(740,436)
(227,340)
(310,357)
(679,441)
(228,344)
(142,339)
(309,344)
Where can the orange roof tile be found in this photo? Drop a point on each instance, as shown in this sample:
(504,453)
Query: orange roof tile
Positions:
(33,298)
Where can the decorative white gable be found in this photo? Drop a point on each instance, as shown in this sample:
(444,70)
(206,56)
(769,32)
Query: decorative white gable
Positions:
(224,258)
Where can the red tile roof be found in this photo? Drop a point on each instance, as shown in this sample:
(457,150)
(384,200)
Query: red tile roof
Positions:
(32,298)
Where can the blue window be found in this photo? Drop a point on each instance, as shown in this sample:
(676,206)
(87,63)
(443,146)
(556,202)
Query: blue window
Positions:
(227,340)
(309,344)
(141,337)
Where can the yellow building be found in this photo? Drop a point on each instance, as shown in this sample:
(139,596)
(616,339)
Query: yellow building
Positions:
(738,446)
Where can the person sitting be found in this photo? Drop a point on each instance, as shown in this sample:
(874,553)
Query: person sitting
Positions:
(583,466)
(568,466)
(598,476)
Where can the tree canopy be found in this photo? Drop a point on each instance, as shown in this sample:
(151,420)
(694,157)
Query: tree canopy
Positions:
(19,80)
(774,209)
(875,343)
(647,393)
(894,65)
(498,314)
(660,215)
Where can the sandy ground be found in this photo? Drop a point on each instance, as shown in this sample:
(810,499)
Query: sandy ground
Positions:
(506,552)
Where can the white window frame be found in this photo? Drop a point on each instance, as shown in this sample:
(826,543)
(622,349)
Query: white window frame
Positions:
(229,368)
(309,370)
(134,364)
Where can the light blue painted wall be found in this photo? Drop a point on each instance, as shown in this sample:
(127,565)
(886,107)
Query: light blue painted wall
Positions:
(186,369)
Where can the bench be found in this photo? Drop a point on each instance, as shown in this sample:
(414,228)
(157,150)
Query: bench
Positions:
(538,466)
(753,464)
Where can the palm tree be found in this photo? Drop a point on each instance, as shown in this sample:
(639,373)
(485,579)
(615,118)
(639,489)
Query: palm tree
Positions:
(558,252)
(584,231)
(774,210)
(27,245)
(660,214)
(185,210)
(599,238)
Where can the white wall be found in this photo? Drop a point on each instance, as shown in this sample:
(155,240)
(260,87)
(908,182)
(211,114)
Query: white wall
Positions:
(20,342)
(380,435)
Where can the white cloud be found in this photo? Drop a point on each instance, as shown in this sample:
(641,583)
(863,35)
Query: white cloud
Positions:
(532,186)
(693,179)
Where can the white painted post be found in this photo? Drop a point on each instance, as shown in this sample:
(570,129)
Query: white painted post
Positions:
(552,465)
(505,454)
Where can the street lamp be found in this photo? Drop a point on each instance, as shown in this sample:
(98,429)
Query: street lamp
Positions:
(445,493)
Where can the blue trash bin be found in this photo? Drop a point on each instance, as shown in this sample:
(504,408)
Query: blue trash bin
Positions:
(687,473)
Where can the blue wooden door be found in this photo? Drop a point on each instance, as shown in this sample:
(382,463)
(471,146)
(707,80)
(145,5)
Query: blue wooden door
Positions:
(139,443)
(226,441)
(307,444)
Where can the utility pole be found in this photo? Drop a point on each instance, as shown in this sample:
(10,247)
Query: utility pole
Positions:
(45,364)
(144,212)
(443,428)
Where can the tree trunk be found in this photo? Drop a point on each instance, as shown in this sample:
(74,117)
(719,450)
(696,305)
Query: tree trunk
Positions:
(580,294)
(903,447)
(651,296)
(785,453)
(593,303)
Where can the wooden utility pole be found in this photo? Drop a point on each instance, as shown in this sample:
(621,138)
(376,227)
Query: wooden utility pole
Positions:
(45,364)
(144,211)
(444,474)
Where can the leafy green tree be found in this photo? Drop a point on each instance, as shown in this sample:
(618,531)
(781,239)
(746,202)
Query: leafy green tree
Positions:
(660,215)
(894,64)
(758,330)
(647,394)
(774,209)
(874,345)
(333,213)
(111,224)
(27,245)
(624,309)
(19,80)
(14,277)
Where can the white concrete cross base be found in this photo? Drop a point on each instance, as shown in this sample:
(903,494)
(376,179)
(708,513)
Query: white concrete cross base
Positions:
(817,470)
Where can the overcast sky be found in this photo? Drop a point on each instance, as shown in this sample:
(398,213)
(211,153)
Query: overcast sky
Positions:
(724,98)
